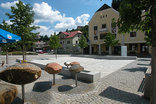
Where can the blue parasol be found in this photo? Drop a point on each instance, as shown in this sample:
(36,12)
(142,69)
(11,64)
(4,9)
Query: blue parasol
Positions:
(7,37)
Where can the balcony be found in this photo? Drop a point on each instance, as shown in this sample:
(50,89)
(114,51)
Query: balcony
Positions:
(105,30)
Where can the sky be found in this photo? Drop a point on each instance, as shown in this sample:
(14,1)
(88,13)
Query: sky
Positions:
(56,15)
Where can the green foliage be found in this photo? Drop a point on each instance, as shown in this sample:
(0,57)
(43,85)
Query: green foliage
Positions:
(44,38)
(135,14)
(110,40)
(83,42)
(116,4)
(84,30)
(54,41)
(22,18)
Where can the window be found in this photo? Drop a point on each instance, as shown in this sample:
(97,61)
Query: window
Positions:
(95,27)
(132,34)
(95,37)
(103,26)
(76,42)
(68,42)
(60,42)
(95,30)
(102,36)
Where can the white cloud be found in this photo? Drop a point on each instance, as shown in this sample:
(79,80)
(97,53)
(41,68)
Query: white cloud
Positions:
(82,20)
(7,5)
(65,23)
(45,13)
(44,30)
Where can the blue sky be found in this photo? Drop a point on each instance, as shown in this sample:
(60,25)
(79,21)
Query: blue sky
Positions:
(57,15)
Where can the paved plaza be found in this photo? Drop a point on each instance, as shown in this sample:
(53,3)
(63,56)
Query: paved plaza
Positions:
(119,83)
(104,66)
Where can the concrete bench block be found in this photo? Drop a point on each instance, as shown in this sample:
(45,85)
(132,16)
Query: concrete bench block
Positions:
(86,76)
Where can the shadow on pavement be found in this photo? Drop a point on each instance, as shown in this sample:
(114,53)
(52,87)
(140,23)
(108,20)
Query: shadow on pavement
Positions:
(42,86)
(17,101)
(64,88)
(123,96)
(143,69)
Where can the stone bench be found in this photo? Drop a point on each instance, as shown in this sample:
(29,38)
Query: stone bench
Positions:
(88,76)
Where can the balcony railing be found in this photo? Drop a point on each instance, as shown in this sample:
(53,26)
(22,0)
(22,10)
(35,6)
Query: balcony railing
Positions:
(103,30)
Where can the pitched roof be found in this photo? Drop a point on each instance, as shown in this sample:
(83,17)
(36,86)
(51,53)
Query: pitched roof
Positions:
(72,34)
(65,33)
(105,6)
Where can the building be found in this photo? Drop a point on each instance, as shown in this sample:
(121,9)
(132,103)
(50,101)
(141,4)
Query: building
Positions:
(41,46)
(69,42)
(101,24)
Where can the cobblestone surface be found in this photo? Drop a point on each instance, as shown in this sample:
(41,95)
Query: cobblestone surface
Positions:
(119,87)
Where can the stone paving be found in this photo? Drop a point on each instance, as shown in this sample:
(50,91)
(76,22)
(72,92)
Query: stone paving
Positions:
(119,87)
(104,66)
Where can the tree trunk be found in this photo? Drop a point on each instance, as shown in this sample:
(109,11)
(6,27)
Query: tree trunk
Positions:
(153,73)
(82,50)
(24,57)
(110,50)
(7,56)
(56,53)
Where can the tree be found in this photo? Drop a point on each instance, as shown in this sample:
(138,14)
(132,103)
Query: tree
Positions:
(83,42)
(110,41)
(141,15)
(116,4)
(54,43)
(44,38)
(22,19)
(84,30)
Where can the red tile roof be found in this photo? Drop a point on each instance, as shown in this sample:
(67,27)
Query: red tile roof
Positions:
(65,33)
(72,34)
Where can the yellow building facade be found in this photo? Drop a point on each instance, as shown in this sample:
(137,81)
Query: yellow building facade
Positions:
(101,23)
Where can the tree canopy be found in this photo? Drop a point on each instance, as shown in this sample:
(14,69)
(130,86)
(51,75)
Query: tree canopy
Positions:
(110,40)
(134,14)
(54,41)
(22,17)
(83,42)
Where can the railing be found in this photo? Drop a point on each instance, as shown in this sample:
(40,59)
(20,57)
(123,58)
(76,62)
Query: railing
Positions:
(103,30)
